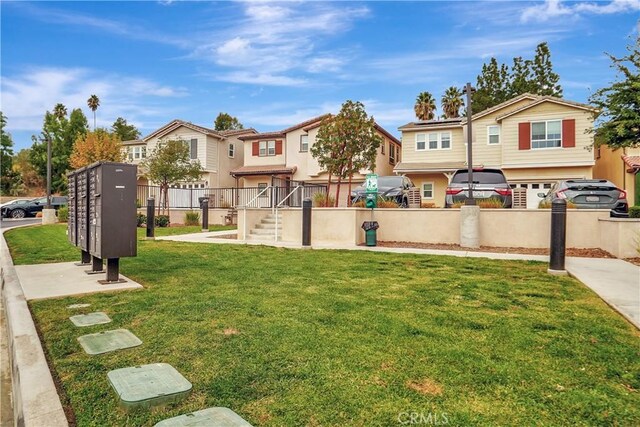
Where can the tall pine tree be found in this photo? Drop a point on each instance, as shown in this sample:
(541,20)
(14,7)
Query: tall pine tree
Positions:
(545,81)
(492,86)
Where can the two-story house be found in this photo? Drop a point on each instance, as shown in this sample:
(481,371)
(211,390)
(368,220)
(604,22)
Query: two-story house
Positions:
(535,140)
(286,154)
(218,151)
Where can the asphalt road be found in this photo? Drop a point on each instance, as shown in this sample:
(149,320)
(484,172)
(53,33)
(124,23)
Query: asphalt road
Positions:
(10,223)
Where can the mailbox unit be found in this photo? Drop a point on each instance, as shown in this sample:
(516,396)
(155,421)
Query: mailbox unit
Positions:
(102,214)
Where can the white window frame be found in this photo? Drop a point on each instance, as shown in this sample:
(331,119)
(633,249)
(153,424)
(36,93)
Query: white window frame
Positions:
(143,152)
(261,187)
(130,153)
(137,152)
(304,147)
(438,141)
(267,148)
(433,190)
(490,134)
(231,150)
(546,134)
(392,153)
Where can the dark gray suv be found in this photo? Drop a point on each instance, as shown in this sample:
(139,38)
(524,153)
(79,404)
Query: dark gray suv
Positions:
(588,194)
(488,184)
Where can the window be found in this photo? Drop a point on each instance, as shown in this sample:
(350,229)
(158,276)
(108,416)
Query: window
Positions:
(427,190)
(493,134)
(193,154)
(392,154)
(261,187)
(143,152)
(231,150)
(433,141)
(267,148)
(382,147)
(304,143)
(546,134)
(130,153)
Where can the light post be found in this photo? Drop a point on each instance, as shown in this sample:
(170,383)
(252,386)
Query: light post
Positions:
(468,90)
(48,170)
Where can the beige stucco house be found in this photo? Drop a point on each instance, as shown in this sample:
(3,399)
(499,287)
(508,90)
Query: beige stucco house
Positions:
(218,151)
(286,154)
(535,140)
(621,167)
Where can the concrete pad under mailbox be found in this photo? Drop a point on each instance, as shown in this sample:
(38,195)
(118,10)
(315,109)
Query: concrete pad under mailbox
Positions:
(210,417)
(148,385)
(104,342)
(97,318)
(62,279)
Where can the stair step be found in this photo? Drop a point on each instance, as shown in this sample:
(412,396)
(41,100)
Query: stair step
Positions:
(264,231)
(269,226)
(265,237)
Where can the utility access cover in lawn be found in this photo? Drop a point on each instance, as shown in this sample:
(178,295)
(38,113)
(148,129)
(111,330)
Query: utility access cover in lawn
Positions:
(104,342)
(90,319)
(148,385)
(211,417)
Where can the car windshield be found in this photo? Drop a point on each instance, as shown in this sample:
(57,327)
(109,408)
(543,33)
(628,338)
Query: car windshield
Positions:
(390,181)
(480,177)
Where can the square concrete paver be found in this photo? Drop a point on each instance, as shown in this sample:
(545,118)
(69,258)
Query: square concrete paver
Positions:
(97,318)
(148,385)
(210,417)
(104,342)
(42,281)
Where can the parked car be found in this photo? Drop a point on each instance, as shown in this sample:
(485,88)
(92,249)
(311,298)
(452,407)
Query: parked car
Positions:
(589,194)
(394,188)
(488,184)
(32,207)
(14,201)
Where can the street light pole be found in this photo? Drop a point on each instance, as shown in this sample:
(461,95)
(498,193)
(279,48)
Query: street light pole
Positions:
(470,200)
(48,170)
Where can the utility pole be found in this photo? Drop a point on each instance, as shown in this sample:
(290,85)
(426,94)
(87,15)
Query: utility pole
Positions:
(48,170)
(470,200)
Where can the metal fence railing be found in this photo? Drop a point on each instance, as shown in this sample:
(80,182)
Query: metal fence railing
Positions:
(223,198)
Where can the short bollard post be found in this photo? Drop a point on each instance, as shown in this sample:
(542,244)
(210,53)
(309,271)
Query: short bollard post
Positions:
(205,215)
(151,205)
(306,222)
(558,237)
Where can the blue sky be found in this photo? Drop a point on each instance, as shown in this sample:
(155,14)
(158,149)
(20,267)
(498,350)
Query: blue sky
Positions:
(273,64)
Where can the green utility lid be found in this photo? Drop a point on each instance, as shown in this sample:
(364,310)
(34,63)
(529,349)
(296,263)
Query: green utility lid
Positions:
(210,417)
(73,306)
(104,342)
(90,319)
(148,385)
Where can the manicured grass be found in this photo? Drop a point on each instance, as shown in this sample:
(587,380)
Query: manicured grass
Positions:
(293,337)
(35,245)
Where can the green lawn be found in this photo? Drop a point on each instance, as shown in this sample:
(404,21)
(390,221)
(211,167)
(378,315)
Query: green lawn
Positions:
(312,337)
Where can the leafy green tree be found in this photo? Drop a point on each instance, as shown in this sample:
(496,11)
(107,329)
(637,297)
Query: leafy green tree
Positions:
(619,104)
(9,179)
(63,133)
(520,77)
(425,106)
(545,80)
(347,143)
(170,163)
(492,86)
(452,102)
(30,183)
(93,102)
(225,121)
(124,130)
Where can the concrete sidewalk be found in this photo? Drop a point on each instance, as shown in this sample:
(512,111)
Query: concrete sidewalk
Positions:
(616,281)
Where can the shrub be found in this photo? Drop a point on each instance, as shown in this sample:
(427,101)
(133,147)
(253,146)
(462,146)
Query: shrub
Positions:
(358,204)
(39,215)
(634,212)
(429,205)
(490,204)
(162,221)
(384,204)
(141,219)
(63,214)
(320,200)
(138,203)
(191,218)
(547,205)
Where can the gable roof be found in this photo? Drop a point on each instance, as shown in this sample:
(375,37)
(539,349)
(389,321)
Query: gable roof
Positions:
(428,124)
(504,104)
(234,132)
(543,99)
(133,142)
(632,161)
(175,124)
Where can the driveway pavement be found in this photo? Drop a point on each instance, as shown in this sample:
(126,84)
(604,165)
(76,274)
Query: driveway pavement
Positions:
(7,223)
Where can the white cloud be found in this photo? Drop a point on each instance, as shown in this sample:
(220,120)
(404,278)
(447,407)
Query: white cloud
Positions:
(26,98)
(265,79)
(556,8)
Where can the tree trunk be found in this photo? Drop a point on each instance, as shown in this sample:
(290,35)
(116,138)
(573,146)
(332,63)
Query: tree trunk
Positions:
(350,179)
(326,198)
(335,205)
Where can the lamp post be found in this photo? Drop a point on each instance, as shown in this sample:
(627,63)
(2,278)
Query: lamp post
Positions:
(48,170)
(468,90)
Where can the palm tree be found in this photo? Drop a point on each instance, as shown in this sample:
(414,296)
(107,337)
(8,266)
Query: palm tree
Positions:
(93,102)
(425,107)
(452,102)
(60,111)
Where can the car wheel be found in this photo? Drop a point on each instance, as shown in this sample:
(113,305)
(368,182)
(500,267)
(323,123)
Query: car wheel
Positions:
(17,213)
(404,204)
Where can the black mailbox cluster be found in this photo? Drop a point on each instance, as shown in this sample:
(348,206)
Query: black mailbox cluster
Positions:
(102,214)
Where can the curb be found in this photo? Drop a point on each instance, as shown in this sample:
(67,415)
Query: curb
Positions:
(35,398)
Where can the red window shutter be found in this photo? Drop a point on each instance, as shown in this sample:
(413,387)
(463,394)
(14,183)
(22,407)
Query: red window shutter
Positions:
(255,148)
(569,133)
(278,147)
(524,136)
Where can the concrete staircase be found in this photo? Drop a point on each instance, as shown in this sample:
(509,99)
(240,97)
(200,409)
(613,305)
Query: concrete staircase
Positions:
(266,230)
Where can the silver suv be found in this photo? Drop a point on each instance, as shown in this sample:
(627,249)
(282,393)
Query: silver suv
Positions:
(589,194)
(488,184)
